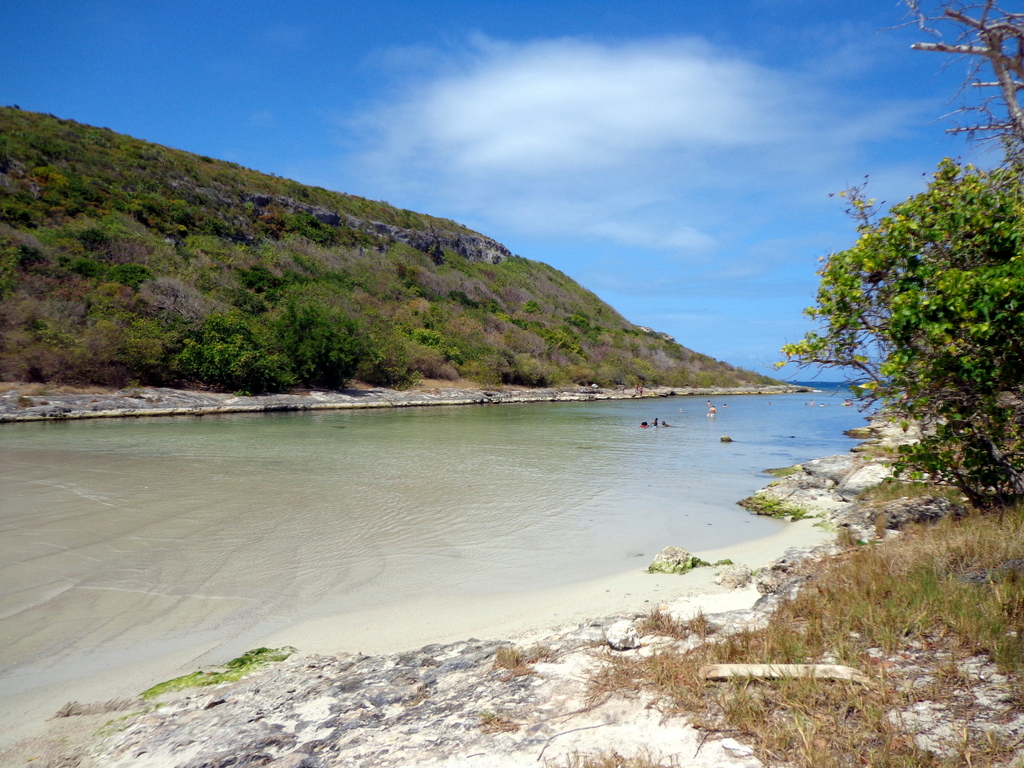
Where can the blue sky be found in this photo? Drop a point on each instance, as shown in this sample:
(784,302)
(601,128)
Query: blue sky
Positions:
(674,157)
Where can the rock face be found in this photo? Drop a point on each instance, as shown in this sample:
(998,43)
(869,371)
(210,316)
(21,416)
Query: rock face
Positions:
(434,243)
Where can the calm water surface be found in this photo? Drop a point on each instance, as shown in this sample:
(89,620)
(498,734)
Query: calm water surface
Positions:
(122,536)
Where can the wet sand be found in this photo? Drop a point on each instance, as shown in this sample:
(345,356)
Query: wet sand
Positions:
(525,617)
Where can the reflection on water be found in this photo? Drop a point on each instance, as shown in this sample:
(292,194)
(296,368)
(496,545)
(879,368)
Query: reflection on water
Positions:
(122,536)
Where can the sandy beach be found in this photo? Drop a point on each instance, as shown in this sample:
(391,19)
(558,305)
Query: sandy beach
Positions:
(521,617)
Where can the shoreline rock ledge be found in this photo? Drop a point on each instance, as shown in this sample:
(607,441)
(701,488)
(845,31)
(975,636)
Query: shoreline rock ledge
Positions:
(36,403)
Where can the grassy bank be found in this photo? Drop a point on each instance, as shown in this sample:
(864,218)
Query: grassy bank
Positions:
(930,617)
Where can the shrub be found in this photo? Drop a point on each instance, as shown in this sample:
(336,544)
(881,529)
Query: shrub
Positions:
(323,349)
(227,352)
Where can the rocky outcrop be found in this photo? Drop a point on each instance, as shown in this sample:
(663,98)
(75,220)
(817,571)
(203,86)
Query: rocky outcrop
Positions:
(822,487)
(833,487)
(433,242)
(476,248)
(447,705)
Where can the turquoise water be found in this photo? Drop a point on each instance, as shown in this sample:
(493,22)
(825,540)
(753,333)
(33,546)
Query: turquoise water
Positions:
(121,534)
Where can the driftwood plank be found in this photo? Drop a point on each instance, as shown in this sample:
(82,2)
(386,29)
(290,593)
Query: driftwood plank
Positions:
(824,671)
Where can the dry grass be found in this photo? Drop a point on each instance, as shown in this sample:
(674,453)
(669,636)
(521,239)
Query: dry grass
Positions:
(658,622)
(491,722)
(519,661)
(614,760)
(949,592)
(890,490)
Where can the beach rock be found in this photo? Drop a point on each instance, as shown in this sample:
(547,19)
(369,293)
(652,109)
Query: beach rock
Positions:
(734,576)
(622,636)
(831,469)
(785,574)
(674,560)
(922,509)
(726,439)
(862,478)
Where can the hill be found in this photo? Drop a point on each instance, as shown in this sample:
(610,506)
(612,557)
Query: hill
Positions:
(122,261)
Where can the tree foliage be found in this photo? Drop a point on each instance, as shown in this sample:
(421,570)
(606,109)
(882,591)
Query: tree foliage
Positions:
(323,348)
(229,351)
(928,306)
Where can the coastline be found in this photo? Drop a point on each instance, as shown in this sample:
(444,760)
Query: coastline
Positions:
(395,630)
(19,405)
(387,631)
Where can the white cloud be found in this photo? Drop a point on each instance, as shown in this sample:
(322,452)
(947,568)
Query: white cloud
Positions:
(669,145)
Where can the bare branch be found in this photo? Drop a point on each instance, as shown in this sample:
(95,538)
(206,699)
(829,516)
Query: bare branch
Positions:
(994,39)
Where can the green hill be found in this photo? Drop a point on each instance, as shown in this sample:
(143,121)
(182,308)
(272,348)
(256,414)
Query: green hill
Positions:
(125,261)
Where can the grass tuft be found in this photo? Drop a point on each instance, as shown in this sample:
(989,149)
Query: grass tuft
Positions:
(613,759)
(519,661)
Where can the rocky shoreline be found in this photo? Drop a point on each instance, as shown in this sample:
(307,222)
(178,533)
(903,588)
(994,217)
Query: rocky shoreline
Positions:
(459,705)
(35,403)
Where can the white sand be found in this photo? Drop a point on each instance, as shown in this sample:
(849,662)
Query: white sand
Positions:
(398,627)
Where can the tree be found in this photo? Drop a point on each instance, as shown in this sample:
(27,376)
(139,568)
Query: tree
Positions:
(232,351)
(994,38)
(928,307)
(323,349)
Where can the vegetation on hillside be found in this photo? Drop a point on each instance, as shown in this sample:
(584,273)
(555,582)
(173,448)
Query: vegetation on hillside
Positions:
(124,261)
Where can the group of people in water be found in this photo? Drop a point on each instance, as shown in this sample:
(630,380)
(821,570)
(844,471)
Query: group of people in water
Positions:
(713,413)
(662,423)
(645,425)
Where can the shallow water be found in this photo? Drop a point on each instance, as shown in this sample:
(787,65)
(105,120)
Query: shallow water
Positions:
(122,539)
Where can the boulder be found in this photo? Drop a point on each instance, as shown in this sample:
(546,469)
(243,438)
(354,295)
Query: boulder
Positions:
(862,478)
(674,560)
(622,636)
(832,469)
(922,509)
(726,439)
(734,576)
